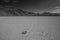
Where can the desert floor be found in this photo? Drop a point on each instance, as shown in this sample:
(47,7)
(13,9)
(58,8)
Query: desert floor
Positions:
(38,28)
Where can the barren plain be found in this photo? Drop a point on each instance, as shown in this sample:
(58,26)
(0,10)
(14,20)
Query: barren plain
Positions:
(38,28)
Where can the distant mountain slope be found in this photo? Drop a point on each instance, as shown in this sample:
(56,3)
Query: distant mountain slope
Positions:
(11,11)
(15,12)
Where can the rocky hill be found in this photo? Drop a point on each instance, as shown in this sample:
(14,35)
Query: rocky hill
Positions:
(11,11)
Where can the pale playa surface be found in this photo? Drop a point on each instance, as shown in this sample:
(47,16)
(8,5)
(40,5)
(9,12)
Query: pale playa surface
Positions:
(11,28)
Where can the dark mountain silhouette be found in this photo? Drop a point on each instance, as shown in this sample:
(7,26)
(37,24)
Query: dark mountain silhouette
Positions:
(11,11)
(50,14)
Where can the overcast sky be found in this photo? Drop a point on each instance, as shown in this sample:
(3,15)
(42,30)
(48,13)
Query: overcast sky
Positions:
(39,5)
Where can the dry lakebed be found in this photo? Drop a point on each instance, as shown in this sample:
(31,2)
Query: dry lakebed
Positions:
(38,28)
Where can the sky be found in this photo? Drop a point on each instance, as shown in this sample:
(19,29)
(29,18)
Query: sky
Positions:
(38,6)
